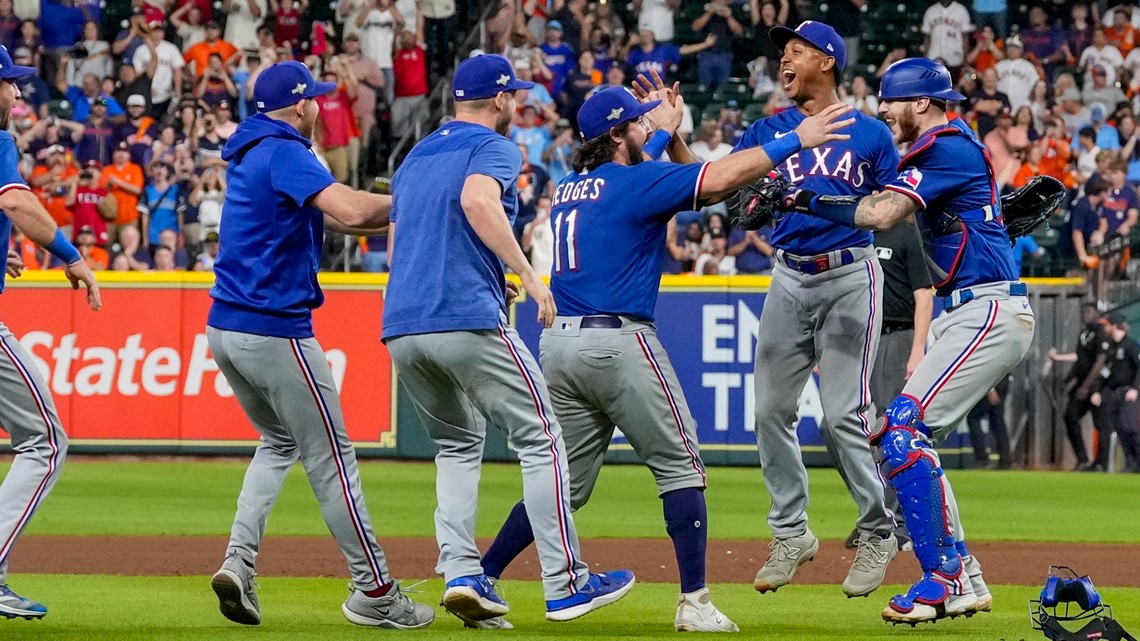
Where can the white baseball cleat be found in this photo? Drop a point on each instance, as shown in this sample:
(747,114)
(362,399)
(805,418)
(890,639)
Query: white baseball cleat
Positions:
(696,613)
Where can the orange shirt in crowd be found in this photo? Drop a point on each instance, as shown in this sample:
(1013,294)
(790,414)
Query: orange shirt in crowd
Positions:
(986,58)
(199,55)
(1024,173)
(29,253)
(98,259)
(1055,161)
(1125,38)
(56,204)
(131,174)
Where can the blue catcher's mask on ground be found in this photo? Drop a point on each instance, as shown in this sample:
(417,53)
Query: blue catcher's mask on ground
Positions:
(1067,597)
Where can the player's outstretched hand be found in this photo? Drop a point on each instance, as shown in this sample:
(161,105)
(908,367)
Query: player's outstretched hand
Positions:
(820,129)
(669,114)
(538,290)
(643,86)
(79,272)
(512,292)
(15,265)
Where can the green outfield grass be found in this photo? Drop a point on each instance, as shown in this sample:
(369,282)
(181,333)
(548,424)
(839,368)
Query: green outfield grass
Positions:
(95,608)
(114,497)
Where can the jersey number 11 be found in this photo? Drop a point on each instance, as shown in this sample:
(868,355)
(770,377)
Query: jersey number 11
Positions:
(570,248)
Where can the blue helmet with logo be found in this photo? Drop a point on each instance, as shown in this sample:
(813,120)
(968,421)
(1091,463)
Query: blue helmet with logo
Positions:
(917,78)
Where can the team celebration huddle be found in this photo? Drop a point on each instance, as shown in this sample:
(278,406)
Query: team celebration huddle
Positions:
(822,175)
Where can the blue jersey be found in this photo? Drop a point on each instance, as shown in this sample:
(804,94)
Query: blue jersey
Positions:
(265,276)
(947,171)
(443,278)
(1117,204)
(10,178)
(561,60)
(854,167)
(609,230)
(658,59)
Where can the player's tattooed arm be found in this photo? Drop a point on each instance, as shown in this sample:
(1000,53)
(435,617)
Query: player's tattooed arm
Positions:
(881,210)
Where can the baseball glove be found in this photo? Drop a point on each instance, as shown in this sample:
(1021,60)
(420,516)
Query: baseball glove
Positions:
(757,204)
(1025,209)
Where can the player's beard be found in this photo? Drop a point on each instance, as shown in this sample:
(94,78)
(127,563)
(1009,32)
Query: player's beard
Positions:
(503,123)
(632,148)
(5,118)
(907,124)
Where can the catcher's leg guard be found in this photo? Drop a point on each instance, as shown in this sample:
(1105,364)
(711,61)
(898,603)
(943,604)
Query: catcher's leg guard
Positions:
(912,466)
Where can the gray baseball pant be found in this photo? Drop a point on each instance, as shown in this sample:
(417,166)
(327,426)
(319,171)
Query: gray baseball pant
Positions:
(287,391)
(832,319)
(27,413)
(975,345)
(452,378)
(602,378)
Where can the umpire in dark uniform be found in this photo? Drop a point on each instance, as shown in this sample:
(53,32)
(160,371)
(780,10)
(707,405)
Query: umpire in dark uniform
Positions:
(1115,395)
(908,308)
(1079,381)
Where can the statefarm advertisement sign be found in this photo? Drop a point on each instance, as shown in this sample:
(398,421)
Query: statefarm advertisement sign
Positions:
(141,368)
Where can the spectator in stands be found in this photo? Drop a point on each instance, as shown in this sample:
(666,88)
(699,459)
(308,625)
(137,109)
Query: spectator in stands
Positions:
(50,132)
(209,143)
(85,197)
(1074,114)
(336,124)
(715,260)
(287,21)
(1056,153)
(537,96)
(657,16)
(533,183)
(97,60)
(411,83)
(375,259)
(119,263)
(163,258)
(538,239)
(215,86)
(224,116)
(161,206)
(1040,104)
(187,21)
(9,25)
(83,96)
(987,51)
(760,78)
(992,12)
(166,82)
(987,102)
(1044,43)
(862,98)
(208,195)
(132,82)
(124,181)
(527,133)
(709,144)
(439,30)
(1121,204)
(1026,246)
(766,15)
(1006,146)
(1106,135)
(170,238)
(206,259)
(571,14)
(578,84)
(751,250)
(1121,34)
(346,13)
(1100,92)
(379,22)
(604,48)
(98,137)
(244,17)
(130,241)
(609,23)
(96,257)
(1101,54)
(1023,124)
(1079,31)
(647,55)
(1016,75)
(946,26)
(1029,168)
(52,183)
(197,57)
(61,26)
(29,38)
(558,56)
(32,88)
(557,154)
(714,65)
(128,41)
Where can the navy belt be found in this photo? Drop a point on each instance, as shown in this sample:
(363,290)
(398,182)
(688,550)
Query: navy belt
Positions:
(960,297)
(818,264)
(600,322)
(891,328)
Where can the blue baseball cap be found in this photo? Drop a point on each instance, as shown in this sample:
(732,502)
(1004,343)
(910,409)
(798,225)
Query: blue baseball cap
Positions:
(10,70)
(609,108)
(821,36)
(287,83)
(554,24)
(485,76)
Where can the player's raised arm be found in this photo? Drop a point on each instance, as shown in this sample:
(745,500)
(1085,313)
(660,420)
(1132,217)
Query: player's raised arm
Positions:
(349,211)
(739,169)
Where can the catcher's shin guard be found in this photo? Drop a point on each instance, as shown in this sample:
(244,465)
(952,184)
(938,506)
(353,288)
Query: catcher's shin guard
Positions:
(914,471)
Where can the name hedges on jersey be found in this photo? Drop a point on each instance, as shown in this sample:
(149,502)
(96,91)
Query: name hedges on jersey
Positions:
(572,191)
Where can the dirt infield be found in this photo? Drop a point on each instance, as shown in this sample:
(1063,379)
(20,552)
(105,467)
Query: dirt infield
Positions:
(651,559)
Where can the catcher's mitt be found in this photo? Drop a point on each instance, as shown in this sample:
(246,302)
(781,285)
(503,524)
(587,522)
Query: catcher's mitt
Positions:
(757,204)
(1025,209)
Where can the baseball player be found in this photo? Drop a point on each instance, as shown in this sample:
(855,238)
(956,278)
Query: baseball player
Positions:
(947,181)
(603,361)
(27,411)
(278,202)
(824,307)
(445,325)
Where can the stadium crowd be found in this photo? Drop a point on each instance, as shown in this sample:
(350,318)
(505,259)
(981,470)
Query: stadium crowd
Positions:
(124,126)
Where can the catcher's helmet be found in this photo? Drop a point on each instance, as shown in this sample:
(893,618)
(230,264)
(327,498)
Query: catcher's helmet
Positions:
(917,78)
